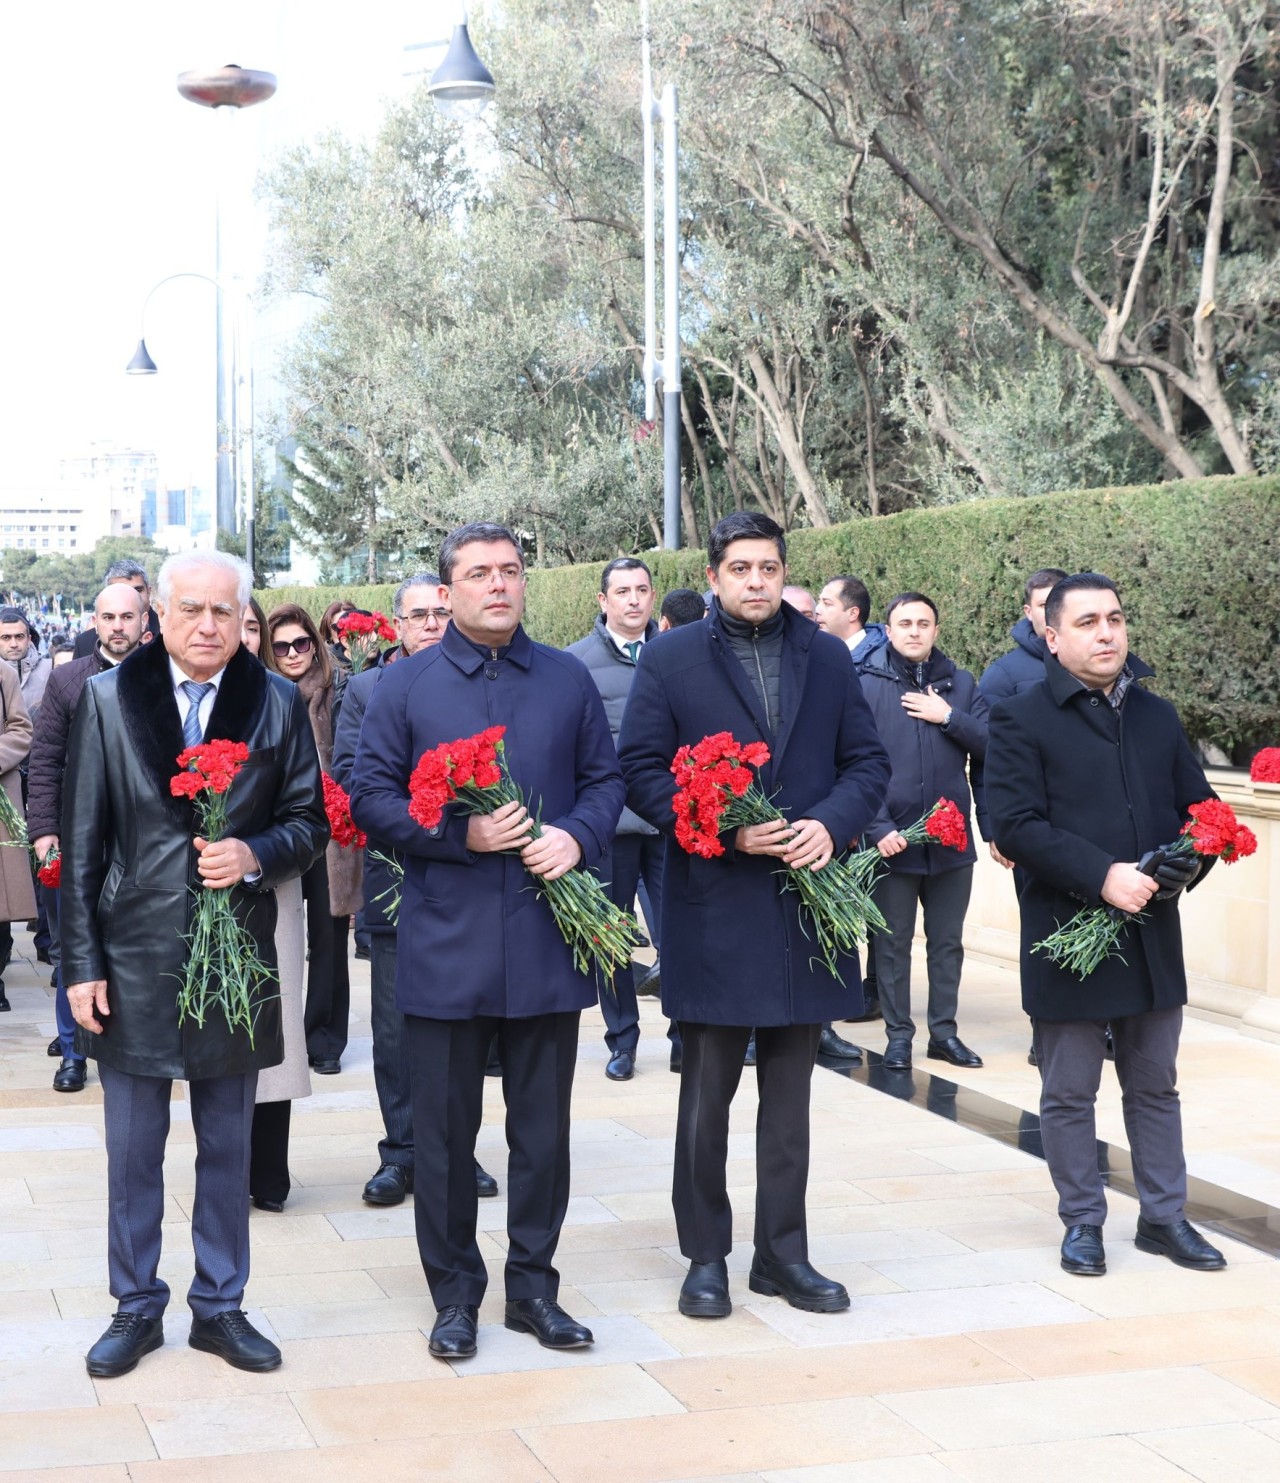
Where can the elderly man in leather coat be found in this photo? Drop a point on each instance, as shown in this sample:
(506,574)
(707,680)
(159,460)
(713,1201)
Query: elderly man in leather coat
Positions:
(131,864)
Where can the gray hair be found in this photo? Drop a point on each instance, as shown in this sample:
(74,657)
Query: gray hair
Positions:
(188,560)
(124,570)
(418,579)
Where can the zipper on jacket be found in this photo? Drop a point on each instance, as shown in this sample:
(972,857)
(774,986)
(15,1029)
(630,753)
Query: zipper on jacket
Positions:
(764,689)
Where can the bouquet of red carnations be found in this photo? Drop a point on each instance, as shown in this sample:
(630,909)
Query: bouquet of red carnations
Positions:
(472,773)
(1265,767)
(223,969)
(337,806)
(363,634)
(1090,937)
(15,826)
(942,824)
(50,873)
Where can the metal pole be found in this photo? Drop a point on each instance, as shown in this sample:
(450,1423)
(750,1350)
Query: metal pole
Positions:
(648,108)
(244,419)
(224,510)
(670,322)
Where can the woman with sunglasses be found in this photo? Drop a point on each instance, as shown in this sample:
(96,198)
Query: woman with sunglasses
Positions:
(332,887)
(269,1182)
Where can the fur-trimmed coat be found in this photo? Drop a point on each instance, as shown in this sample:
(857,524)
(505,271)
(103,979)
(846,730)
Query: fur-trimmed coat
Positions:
(129,862)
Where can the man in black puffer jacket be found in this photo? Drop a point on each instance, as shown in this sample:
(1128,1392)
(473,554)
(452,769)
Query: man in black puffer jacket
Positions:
(932,721)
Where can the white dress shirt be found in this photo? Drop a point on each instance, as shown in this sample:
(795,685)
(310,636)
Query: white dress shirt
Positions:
(184,703)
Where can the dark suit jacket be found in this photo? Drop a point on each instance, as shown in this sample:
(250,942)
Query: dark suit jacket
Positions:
(733,947)
(1074,785)
(49,745)
(475,936)
(129,865)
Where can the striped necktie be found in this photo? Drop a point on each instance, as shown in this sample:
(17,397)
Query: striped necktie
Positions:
(192,731)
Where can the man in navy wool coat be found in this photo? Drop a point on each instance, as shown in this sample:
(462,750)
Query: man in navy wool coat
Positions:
(479,952)
(734,950)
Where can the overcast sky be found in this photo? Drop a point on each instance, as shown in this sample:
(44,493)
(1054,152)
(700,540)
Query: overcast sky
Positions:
(109,177)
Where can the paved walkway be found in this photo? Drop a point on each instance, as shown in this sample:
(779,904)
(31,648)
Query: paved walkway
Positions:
(967,1353)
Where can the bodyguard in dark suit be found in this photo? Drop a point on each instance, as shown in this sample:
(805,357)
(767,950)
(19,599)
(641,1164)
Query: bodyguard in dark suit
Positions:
(735,952)
(1087,773)
(130,860)
(479,953)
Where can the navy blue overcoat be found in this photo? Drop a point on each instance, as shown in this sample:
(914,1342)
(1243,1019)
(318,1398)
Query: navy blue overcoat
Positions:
(475,937)
(733,948)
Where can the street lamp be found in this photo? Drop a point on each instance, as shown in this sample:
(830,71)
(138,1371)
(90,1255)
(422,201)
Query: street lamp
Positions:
(666,369)
(461,85)
(231,88)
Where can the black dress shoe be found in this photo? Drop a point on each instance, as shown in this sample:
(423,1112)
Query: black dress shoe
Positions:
(621,1067)
(705,1293)
(130,1336)
(1031,1056)
(1082,1251)
(42,956)
(70,1076)
(54,1048)
(954,1050)
(362,951)
(799,1283)
(453,1335)
(831,1044)
(486,1184)
(871,1011)
(272,1207)
(1181,1243)
(232,1337)
(897,1055)
(750,1058)
(677,1056)
(650,983)
(547,1321)
(388,1186)
(4,1002)
(326,1065)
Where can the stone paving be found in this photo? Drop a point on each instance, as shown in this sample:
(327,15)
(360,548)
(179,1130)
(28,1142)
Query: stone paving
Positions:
(967,1354)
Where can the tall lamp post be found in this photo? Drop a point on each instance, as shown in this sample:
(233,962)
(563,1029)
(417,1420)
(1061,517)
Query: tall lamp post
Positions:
(231,88)
(461,85)
(666,369)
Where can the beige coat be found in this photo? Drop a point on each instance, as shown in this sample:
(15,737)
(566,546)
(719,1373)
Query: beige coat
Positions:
(17,890)
(291,1078)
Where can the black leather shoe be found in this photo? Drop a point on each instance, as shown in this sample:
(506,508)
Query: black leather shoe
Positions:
(705,1293)
(130,1336)
(1082,1251)
(547,1321)
(42,956)
(750,1058)
(232,1337)
(70,1076)
(872,1011)
(1031,1056)
(621,1067)
(954,1050)
(4,1002)
(650,983)
(897,1055)
(326,1065)
(677,1056)
(272,1207)
(453,1335)
(1181,1243)
(388,1186)
(486,1184)
(362,952)
(54,1048)
(836,1046)
(799,1283)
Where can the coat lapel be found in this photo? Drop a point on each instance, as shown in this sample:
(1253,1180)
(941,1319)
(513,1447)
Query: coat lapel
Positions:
(798,634)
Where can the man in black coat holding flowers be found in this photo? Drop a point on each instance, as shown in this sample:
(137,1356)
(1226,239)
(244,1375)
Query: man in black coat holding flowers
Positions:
(734,948)
(1086,774)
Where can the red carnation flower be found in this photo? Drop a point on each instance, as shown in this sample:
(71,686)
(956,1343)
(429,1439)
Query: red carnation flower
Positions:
(337,806)
(946,826)
(1265,767)
(1213,829)
(50,873)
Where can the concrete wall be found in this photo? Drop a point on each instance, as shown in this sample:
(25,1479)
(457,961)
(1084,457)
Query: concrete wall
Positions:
(1230,923)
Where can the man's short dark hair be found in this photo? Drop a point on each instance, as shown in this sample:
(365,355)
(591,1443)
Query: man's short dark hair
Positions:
(743,525)
(124,570)
(1047,576)
(14,615)
(854,594)
(1081,582)
(484,531)
(903,598)
(623,564)
(683,605)
(419,579)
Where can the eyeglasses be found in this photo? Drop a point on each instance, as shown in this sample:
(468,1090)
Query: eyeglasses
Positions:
(281,647)
(419,616)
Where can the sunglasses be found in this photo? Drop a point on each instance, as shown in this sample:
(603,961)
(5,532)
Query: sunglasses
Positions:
(281,647)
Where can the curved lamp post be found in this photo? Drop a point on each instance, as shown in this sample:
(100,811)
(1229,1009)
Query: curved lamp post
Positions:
(461,85)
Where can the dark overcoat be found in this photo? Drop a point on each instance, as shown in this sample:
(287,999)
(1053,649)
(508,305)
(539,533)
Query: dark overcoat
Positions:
(49,745)
(129,862)
(1074,785)
(733,949)
(475,936)
(380,884)
(1017,670)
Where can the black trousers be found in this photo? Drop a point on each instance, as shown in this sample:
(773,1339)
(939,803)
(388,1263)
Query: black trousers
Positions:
(327,1010)
(269,1151)
(709,1078)
(633,857)
(447,1060)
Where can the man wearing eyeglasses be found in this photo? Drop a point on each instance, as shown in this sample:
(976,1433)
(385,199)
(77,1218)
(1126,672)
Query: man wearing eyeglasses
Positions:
(421,616)
(136,576)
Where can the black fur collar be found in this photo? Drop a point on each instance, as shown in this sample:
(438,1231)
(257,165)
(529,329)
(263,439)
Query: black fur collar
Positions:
(150,711)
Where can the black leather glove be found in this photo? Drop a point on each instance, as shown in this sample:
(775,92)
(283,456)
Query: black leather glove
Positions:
(1174,872)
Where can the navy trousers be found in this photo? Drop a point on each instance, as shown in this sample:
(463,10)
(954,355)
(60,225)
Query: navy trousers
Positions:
(390,1054)
(61,1005)
(633,858)
(136,1115)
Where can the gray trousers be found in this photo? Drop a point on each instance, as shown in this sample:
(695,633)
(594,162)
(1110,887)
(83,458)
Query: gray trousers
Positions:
(136,1116)
(390,1054)
(945,899)
(1070,1054)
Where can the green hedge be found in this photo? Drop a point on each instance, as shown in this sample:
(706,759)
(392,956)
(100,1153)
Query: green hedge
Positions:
(1197,562)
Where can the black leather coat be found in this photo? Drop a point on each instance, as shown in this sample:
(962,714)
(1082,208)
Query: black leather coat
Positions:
(128,862)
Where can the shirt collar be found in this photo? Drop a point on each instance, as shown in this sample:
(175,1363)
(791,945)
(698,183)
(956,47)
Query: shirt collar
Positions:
(180,677)
(623,644)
